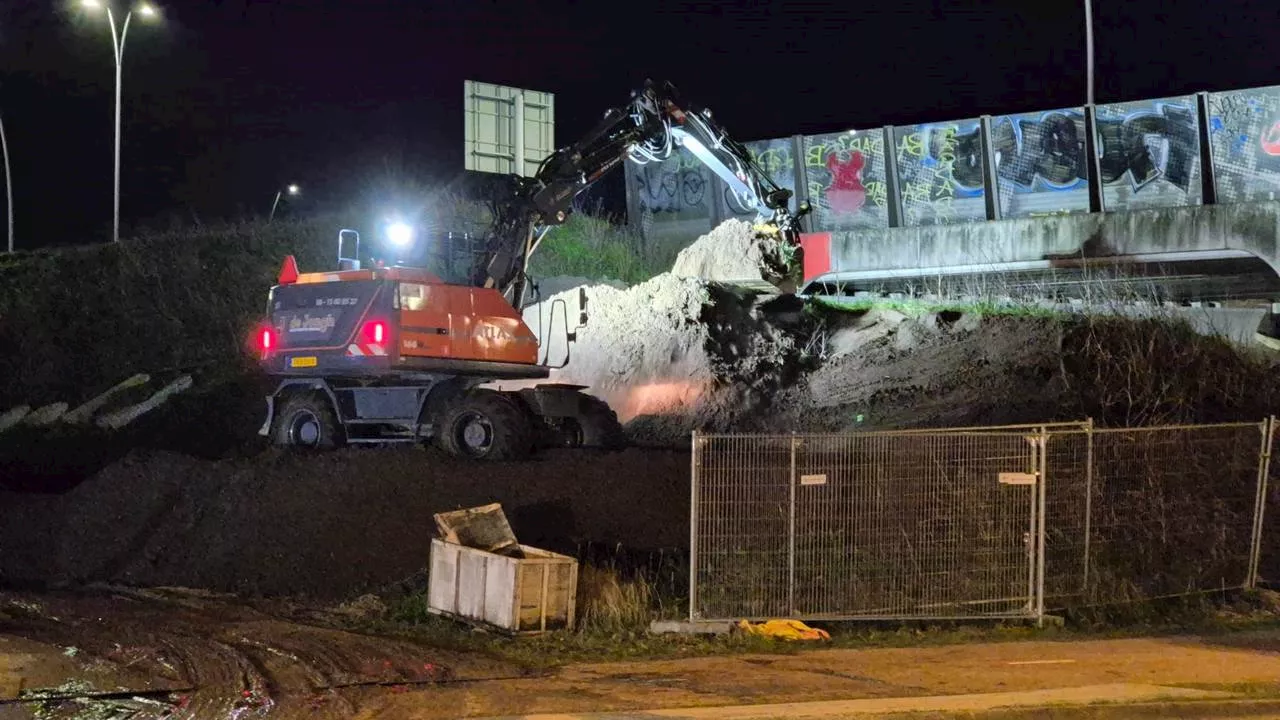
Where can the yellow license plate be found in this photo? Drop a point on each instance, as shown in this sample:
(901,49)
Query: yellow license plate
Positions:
(302,362)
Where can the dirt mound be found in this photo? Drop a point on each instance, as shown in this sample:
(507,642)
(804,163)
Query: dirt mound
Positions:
(329,526)
(688,348)
(885,370)
(731,252)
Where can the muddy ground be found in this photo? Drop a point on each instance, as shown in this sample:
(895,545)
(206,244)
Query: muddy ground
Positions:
(135,655)
(162,653)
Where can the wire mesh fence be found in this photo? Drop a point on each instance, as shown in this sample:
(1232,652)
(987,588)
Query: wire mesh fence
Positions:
(1173,511)
(977,522)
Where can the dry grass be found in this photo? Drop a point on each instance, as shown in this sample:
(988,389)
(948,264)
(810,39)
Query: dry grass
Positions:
(609,602)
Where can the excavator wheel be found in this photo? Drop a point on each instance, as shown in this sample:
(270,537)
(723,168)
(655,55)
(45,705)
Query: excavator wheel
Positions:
(598,426)
(486,425)
(306,420)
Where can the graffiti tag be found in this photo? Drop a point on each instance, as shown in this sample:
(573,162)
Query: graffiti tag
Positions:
(1149,145)
(1049,148)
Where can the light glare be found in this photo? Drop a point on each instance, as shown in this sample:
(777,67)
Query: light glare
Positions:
(400,233)
(147,10)
(91,4)
(293,189)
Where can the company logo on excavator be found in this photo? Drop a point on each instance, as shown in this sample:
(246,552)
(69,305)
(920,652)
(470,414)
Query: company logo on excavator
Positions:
(323,324)
(494,332)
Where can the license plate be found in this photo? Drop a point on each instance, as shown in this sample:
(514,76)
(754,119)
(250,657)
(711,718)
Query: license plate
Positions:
(302,362)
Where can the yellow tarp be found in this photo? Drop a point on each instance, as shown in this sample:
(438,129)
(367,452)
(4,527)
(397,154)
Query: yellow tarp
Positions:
(784,630)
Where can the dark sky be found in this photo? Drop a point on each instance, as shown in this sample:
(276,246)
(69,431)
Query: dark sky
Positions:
(224,101)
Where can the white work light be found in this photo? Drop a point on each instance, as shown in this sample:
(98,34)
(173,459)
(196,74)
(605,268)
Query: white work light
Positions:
(400,233)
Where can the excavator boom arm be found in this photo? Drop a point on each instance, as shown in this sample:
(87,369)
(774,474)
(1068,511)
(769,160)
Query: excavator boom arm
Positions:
(647,129)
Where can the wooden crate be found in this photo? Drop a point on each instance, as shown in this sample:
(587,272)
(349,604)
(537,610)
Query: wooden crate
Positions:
(529,594)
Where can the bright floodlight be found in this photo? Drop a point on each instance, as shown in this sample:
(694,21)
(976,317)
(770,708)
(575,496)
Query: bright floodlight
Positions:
(146,10)
(400,233)
(91,4)
(293,189)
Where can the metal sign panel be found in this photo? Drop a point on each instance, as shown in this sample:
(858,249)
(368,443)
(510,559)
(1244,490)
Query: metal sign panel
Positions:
(507,130)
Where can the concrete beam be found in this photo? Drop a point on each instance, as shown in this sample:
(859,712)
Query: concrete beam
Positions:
(1205,231)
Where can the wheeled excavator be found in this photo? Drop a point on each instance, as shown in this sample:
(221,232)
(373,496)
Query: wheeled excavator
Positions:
(396,354)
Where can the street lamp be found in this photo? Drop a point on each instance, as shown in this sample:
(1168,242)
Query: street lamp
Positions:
(291,189)
(8,182)
(148,12)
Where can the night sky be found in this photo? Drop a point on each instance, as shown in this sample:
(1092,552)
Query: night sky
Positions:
(224,102)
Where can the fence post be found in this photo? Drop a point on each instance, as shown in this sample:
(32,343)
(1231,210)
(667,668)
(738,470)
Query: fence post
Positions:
(1260,502)
(1088,505)
(1041,491)
(791,532)
(693,529)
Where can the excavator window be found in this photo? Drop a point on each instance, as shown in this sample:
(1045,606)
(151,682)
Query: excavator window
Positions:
(411,296)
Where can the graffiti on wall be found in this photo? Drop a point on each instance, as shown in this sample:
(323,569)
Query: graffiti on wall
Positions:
(1244,135)
(1041,163)
(680,184)
(1149,154)
(774,157)
(940,172)
(846,179)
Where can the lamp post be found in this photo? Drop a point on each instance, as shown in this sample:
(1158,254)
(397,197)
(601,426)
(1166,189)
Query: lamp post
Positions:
(292,190)
(8,182)
(117,42)
(1088,50)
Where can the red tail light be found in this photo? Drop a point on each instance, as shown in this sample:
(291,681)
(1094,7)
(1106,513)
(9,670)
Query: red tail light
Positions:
(375,331)
(267,339)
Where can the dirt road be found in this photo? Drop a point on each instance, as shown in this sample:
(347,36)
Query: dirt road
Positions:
(151,654)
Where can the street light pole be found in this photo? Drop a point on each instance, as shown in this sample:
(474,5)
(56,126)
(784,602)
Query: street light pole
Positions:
(292,190)
(119,53)
(117,44)
(1088,49)
(8,182)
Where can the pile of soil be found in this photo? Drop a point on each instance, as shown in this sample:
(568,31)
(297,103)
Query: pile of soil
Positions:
(885,370)
(731,252)
(329,525)
(691,348)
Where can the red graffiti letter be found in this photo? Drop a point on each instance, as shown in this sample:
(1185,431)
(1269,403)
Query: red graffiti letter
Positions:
(846,195)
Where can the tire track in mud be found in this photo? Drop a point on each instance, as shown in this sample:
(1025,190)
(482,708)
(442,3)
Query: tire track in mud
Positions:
(198,656)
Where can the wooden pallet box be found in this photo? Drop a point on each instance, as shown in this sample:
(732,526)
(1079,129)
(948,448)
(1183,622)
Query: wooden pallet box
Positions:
(529,594)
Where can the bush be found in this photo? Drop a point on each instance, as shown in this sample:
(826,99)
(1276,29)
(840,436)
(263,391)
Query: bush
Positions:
(77,321)
(591,246)
(1131,373)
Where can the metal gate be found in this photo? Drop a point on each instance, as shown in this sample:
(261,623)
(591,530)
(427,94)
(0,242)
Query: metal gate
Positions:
(945,524)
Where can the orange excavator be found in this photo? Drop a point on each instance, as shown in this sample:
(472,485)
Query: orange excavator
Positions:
(396,354)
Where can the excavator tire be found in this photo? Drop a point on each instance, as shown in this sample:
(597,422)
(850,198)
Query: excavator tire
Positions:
(486,425)
(306,420)
(599,425)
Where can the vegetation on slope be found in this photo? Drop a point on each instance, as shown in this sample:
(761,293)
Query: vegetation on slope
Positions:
(75,321)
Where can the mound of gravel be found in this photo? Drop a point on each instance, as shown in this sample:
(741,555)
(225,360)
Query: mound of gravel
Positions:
(329,526)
